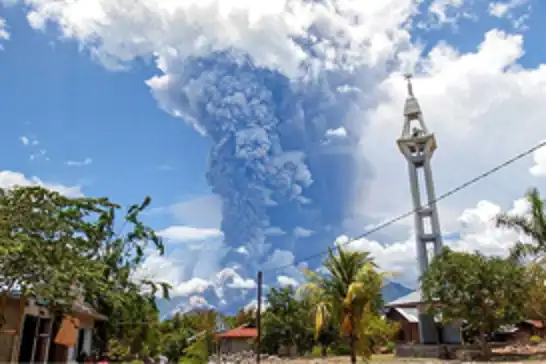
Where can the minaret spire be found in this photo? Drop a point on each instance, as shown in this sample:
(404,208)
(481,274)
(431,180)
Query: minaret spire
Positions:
(408,77)
(417,145)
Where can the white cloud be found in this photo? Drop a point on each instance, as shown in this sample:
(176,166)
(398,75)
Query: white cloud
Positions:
(274,231)
(447,12)
(4,34)
(200,212)
(303,232)
(483,109)
(192,286)
(29,140)
(502,9)
(539,157)
(241,283)
(482,105)
(190,269)
(478,232)
(118,32)
(340,132)
(40,154)
(85,162)
(10,179)
(188,233)
(285,281)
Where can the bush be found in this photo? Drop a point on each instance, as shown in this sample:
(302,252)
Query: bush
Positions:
(341,349)
(535,339)
(316,352)
(390,346)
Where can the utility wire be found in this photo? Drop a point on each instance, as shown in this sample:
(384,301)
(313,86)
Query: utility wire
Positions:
(411,212)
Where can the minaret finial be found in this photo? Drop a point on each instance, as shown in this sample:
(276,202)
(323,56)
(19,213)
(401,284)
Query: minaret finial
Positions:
(408,77)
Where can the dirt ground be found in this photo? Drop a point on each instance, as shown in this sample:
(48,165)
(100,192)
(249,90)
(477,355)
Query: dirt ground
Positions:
(382,359)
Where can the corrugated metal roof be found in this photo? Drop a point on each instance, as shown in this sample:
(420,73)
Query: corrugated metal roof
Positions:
(411,299)
(409,314)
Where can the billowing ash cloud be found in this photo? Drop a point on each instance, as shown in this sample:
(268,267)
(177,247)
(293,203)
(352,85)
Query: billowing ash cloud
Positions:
(279,86)
(283,160)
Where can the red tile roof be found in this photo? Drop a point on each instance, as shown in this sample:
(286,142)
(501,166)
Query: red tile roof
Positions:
(243,332)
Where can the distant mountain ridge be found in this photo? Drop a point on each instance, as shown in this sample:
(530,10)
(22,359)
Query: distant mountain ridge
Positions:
(233,300)
(394,290)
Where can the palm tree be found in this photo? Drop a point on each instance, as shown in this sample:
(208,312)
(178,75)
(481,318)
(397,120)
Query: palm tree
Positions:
(351,289)
(533,225)
(202,342)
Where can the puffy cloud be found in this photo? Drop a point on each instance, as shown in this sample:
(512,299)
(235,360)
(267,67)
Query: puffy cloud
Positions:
(4,34)
(502,9)
(539,157)
(87,161)
(447,12)
(191,268)
(475,103)
(285,281)
(303,232)
(241,283)
(10,179)
(200,212)
(119,31)
(477,231)
(188,233)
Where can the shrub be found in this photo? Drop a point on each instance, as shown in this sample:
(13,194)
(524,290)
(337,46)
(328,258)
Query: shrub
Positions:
(316,352)
(341,349)
(390,346)
(535,339)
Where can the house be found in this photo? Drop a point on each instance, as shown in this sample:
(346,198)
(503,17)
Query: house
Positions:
(45,337)
(237,340)
(520,332)
(406,311)
(409,324)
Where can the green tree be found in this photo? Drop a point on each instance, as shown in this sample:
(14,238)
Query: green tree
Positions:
(350,290)
(202,343)
(46,240)
(533,225)
(535,308)
(285,322)
(175,333)
(59,249)
(245,316)
(121,253)
(486,292)
(138,337)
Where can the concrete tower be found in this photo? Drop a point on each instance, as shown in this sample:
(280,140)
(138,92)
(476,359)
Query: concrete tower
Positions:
(418,144)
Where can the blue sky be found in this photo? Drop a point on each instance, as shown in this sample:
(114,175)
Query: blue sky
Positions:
(77,110)
(298,158)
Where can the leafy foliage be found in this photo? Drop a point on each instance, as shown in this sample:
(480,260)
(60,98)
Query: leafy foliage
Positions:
(535,308)
(533,225)
(486,292)
(202,343)
(46,239)
(285,322)
(351,291)
(60,249)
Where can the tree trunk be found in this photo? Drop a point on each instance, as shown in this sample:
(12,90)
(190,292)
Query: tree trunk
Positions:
(352,347)
(324,350)
(486,348)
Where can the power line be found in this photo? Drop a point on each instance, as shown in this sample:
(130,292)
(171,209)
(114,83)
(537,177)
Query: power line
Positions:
(411,212)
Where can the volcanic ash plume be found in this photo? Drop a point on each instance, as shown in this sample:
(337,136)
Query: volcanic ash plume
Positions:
(271,136)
